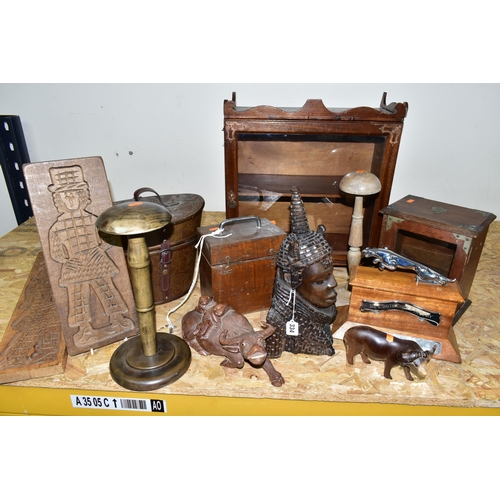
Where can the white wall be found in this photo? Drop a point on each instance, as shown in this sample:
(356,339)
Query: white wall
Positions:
(169,136)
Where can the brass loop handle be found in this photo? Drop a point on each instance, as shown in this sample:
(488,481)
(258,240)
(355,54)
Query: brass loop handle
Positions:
(139,191)
(240,219)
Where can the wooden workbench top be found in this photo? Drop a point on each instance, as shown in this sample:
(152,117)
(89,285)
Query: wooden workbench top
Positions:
(473,383)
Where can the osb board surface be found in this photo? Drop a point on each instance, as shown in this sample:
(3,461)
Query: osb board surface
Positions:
(473,383)
(18,250)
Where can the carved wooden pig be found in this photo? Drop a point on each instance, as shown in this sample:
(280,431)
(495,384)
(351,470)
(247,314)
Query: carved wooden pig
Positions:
(218,329)
(380,346)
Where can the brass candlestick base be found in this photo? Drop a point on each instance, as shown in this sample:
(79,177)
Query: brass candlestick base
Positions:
(153,359)
(132,369)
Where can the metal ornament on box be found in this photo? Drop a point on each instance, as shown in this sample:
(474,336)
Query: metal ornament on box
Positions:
(387,259)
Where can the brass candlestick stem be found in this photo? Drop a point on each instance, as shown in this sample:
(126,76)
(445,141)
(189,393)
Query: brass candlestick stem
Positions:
(151,360)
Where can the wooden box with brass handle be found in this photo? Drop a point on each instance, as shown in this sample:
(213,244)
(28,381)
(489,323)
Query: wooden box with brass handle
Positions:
(238,266)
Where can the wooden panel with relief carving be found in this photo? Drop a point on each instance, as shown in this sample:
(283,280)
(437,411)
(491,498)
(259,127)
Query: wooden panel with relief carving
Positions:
(87,270)
(33,345)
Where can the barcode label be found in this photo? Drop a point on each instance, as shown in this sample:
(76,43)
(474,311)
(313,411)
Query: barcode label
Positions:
(114,403)
(134,404)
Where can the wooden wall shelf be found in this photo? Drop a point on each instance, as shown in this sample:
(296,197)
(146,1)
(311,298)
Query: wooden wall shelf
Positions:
(268,150)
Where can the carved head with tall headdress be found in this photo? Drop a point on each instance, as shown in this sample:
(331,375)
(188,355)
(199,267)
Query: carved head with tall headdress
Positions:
(304,288)
(302,247)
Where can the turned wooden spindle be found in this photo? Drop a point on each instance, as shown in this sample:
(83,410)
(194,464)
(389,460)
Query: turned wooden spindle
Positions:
(359,183)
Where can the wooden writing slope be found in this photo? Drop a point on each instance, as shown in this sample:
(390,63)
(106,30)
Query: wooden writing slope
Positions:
(268,150)
(385,287)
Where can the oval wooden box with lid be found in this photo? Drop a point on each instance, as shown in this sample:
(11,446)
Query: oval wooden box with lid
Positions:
(172,248)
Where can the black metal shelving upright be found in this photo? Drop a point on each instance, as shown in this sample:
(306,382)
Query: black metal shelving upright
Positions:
(13,154)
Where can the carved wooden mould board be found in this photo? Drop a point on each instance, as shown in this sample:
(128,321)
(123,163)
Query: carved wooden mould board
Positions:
(33,345)
(87,270)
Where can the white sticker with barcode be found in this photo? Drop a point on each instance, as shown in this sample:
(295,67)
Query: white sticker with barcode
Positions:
(115,403)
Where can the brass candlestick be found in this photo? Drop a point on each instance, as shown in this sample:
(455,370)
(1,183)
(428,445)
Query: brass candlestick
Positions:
(151,360)
(358,183)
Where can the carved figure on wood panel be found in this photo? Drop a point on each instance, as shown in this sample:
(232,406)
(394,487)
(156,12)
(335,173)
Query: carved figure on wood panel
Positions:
(304,296)
(213,328)
(32,342)
(75,243)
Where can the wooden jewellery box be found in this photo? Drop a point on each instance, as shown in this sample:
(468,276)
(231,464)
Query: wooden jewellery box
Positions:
(172,251)
(239,269)
(447,238)
(268,150)
(395,301)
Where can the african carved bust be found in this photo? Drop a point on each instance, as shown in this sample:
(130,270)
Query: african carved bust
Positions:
(304,296)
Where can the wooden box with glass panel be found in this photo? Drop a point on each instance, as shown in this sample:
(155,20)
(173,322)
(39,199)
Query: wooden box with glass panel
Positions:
(268,150)
(447,238)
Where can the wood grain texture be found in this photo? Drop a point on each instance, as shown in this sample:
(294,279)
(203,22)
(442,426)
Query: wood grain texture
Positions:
(239,270)
(474,383)
(316,108)
(33,345)
(303,158)
(383,286)
(269,150)
(87,273)
(447,238)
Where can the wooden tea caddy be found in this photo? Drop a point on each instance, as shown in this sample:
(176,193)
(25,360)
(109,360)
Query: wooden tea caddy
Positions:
(238,269)
(372,285)
(268,150)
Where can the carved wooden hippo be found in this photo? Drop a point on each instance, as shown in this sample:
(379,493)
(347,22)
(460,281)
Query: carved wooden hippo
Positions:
(380,346)
(218,329)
